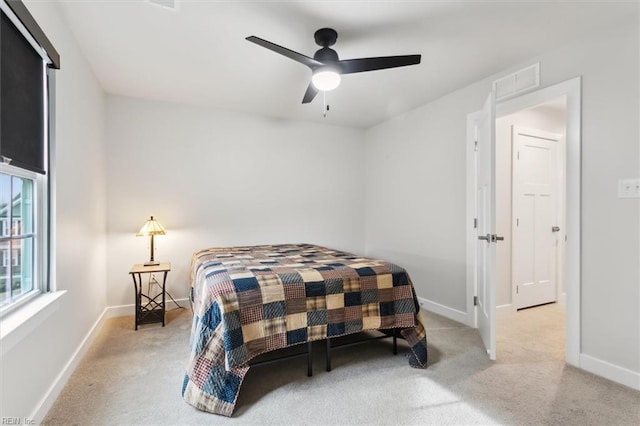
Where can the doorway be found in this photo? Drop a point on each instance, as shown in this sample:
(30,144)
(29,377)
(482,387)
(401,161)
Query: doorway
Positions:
(570,275)
(530,206)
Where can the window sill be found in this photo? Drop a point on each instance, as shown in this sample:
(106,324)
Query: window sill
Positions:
(19,324)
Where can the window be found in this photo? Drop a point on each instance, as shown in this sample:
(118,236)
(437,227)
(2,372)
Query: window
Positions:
(19,243)
(26,56)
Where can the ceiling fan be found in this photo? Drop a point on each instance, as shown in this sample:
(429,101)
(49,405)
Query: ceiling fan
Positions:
(327,67)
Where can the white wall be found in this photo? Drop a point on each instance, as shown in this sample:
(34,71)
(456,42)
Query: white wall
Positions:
(415,199)
(541,118)
(216,178)
(418,159)
(31,367)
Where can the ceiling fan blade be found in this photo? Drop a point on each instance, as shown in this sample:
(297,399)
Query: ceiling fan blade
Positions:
(309,94)
(298,57)
(349,66)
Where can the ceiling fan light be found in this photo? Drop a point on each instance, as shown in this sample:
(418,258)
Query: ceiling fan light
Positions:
(325,79)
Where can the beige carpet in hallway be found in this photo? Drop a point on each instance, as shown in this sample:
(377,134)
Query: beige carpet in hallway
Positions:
(135,377)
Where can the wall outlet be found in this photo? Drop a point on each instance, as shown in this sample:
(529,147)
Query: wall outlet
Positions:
(628,188)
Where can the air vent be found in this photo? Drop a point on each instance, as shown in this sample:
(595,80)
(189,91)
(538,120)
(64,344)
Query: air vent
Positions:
(165,4)
(519,82)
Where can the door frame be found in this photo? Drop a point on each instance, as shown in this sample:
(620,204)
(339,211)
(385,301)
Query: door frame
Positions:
(571,89)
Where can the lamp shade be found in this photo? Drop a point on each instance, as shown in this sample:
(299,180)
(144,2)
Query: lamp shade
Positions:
(325,78)
(151,227)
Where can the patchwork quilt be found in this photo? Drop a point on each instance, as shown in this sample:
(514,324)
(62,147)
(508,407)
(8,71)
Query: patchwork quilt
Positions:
(251,300)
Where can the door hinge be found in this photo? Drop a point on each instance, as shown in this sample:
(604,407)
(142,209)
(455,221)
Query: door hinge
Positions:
(475,147)
(517,289)
(518,155)
(517,221)
(475,222)
(475,300)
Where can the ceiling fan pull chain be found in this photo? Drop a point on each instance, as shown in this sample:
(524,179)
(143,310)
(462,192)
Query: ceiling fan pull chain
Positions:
(325,107)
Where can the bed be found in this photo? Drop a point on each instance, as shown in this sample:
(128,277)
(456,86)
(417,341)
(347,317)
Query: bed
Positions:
(251,300)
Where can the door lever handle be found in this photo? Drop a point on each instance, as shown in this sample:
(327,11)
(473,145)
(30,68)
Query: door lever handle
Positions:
(555,228)
(487,237)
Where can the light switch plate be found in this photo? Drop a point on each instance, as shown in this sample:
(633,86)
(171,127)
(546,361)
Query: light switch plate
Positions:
(628,188)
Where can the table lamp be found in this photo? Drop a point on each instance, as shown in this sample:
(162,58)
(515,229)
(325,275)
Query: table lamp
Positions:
(151,228)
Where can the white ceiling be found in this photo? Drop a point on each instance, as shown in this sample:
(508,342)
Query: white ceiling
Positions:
(199,55)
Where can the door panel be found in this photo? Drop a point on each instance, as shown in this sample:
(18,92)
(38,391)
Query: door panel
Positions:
(486,211)
(535,213)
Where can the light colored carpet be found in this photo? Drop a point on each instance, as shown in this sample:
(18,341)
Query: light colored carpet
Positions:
(135,377)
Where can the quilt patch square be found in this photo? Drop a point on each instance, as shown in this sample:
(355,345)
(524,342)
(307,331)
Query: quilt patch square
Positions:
(315,303)
(369,296)
(266,278)
(310,275)
(353,326)
(276,341)
(273,293)
(274,310)
(316,332)
(231,320)
(251,297)
(252,331)
(335,301)
(385,281)
(233,339)
(353,313)
(365,271)
(402,292)
(295,306)
(335,316)
(317,317)
(352,299)
(294,290)
(400,279)
(337,329)
(334,286)
(245,284)
(350,284)
(297,336)
(274,327)
(290,277)
(258,345)
(315,288)
(251,314)
(368,282)
(296,321)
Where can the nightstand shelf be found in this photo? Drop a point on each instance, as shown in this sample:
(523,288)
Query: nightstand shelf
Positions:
(150,307)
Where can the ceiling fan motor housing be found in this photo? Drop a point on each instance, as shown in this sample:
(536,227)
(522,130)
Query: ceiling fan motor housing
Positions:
(325,37)
(326,54)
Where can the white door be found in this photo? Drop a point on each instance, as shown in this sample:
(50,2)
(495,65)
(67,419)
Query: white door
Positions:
(535,216)
(486,226)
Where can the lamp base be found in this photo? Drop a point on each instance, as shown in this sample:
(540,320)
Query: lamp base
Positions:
(151,263)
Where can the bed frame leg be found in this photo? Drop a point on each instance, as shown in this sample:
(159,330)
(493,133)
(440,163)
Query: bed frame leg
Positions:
(395,341)
(328,354)
(309,360)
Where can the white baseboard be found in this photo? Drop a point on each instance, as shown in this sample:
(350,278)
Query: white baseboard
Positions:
(562,299)
(127,310)
(56,387)
(505,310)
(443,310)
(610,371)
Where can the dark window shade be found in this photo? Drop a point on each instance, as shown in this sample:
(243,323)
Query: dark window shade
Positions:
(21,100)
